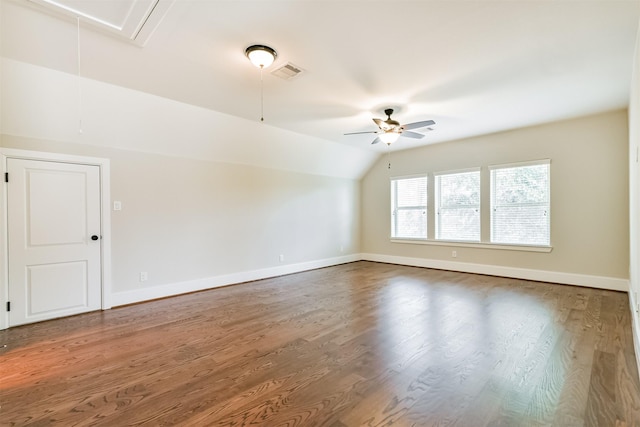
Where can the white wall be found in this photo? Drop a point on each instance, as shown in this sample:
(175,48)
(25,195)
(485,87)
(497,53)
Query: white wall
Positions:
(589,202)
(634,198)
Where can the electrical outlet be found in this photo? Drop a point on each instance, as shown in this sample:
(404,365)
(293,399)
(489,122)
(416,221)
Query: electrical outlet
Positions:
(341,248)
(454,254)
(281,258)
(117,205)
(144,276)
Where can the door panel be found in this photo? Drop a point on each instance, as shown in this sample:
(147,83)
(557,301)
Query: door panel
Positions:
(54,265)
(55,217)
(52,288)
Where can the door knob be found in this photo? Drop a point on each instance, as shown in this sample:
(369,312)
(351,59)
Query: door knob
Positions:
(94,237)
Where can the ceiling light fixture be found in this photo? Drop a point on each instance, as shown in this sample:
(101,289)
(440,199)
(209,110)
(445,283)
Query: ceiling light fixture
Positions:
(389,137)
(261,56)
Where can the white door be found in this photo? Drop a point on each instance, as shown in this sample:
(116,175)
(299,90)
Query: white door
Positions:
(53,239)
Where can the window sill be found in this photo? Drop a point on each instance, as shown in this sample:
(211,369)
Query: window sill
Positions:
(481,245)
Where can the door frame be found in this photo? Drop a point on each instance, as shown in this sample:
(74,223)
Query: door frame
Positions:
(105,221)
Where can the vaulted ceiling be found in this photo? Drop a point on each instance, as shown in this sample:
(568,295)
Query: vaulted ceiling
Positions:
(475,67)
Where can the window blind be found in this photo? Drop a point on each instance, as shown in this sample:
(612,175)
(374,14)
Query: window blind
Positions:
(458,206)
(409,207)
(520,204)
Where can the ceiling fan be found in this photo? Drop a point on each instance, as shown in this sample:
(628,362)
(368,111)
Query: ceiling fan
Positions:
(390,130)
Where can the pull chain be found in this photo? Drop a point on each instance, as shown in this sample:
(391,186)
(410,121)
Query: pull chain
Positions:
(79,79)
(261,95)
(389,156)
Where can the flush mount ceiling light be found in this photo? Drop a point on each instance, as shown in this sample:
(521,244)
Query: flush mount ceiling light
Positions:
(261,56)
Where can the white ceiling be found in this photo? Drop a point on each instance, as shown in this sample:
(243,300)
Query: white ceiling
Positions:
(475,67)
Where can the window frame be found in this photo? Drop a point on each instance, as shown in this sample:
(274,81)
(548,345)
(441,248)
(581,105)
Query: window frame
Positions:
(437,207)
(492,201)
(395,208)
(485,213)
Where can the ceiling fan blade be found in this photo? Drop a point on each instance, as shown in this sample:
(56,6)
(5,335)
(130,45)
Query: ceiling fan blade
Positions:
(417,125)
(410,134)
(382,124)
(375,141)
(357,133)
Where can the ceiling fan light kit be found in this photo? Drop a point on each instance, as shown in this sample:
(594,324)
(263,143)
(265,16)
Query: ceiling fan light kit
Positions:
(389,137)
(260,55)
(390,130)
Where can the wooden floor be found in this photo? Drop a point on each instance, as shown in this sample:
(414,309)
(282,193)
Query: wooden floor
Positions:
(358,344)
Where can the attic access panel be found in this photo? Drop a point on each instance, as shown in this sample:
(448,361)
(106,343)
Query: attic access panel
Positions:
(134,20)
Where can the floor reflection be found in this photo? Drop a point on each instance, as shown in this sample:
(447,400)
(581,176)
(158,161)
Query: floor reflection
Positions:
(449,330)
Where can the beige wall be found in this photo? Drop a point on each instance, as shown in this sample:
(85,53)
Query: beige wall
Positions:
(185,219)
(589,194)
(208,199)
(634,197)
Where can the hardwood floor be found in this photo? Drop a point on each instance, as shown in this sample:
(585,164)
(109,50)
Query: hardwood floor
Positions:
(357,344)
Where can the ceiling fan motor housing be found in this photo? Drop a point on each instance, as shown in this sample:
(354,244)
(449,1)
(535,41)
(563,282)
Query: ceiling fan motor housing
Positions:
(394,124)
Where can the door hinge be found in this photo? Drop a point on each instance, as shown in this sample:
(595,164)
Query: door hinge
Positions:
(6,177)
(8,305)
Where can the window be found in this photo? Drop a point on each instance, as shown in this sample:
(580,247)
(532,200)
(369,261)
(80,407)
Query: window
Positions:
(457,198)
(409,208)
(520,204)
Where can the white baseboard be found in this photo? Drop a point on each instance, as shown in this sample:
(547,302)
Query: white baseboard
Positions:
(611,283)
(171,289)
(635,326)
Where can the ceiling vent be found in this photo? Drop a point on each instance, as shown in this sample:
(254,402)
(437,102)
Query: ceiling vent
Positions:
(287,71)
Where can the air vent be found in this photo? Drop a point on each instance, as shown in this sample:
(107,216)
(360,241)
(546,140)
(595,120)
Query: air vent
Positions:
(287,71)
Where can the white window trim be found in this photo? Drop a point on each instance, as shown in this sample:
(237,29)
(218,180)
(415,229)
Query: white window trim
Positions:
(491,195)
(471,244)
(520,164)
(436,191)
(480,245)
(393,204)
(415,175)
(456,171)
